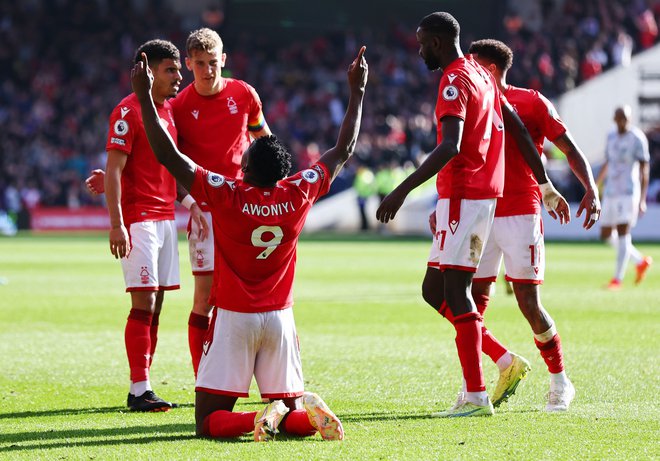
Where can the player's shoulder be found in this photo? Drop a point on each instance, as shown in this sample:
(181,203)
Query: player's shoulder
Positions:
(127,109)
(182,96)
(637,133)
(240,86)
(219,181)
(129,101)
(312,175)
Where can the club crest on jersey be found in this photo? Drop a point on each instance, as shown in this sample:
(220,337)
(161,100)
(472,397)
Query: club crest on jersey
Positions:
(121,127)
(449,93)
(215,179)
(311,176)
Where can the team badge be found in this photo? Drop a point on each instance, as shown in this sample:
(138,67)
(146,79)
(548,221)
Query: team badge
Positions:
(311,176)
(450,93)
(121,127)
(215,179)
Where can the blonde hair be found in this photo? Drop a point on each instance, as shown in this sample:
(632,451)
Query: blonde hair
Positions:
(203,39)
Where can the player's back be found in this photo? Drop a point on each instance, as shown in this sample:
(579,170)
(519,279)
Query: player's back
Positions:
(213,130)
(469,92)
(521,192)
(256,234)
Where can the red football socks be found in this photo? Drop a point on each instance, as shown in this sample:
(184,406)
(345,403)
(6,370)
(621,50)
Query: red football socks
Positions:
(228,424)
(489,343)
(297,423)
(552,354)
(468,343)
(137,337)
(153,334)
(198,325)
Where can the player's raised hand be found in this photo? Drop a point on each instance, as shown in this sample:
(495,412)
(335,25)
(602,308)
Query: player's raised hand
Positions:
(358,71)
(141,77)
(591,205)
(554,203)
(95,183)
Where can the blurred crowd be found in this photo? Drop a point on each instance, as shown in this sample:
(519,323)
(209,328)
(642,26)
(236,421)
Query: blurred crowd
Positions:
(64,66)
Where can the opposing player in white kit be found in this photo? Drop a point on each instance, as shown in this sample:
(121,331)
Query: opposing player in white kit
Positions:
(140,197)
(517,232)
(257,222)
(626,175)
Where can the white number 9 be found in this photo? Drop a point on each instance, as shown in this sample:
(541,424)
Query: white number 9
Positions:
(257,239)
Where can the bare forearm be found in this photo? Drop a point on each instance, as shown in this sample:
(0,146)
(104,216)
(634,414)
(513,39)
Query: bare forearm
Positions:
(436,160)
(644,179)
(576,160)
(113,198)
(335,158)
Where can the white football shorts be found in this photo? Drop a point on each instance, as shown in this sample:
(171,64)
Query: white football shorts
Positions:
(240,345)
(619,209)
(461,232)
(153,261)
(201,253)
(519,239)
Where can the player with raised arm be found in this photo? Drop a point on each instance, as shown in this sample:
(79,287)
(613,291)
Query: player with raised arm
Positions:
(517,232)
(216,118)
(140,197)
(626,176)
(257,221)
(469,163)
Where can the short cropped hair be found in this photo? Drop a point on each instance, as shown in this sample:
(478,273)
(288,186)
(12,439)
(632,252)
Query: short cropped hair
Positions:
(441,23)
(203,39)
(156,51)
(269,160)
(494,51)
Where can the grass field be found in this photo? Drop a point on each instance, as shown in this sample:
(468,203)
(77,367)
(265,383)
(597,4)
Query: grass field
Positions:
(377,354)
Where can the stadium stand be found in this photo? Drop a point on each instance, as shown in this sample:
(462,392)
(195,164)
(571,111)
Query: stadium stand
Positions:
(64,65)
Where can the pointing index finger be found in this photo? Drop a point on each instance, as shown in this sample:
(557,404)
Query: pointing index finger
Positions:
(361,52)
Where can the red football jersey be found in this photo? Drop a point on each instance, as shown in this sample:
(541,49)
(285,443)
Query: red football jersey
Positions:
(214,130)
(148,190)
(469,92)
(256,234)
(521,191)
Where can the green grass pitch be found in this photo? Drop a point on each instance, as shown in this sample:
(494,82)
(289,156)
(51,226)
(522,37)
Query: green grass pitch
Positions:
(371,348)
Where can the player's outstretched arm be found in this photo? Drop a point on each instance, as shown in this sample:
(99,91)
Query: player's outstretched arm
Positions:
(555,204)
(452,133)
(335,158)
(180,166)
(582,170)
